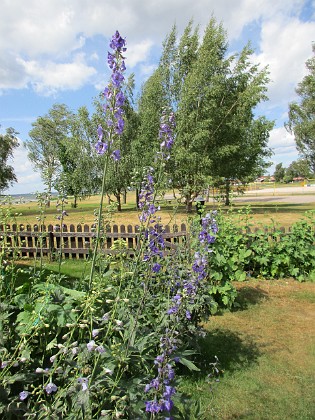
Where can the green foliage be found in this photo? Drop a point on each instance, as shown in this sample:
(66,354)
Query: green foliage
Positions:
(241,253)
(8,142)
(279,172)
(95,343)
(302,115)
(46,137)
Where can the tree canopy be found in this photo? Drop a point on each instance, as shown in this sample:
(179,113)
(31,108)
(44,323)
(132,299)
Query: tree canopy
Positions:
(302,114)
(8,142)
(46,137)
(214,96)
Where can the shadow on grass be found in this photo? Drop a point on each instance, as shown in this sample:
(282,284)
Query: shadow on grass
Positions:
(232,351)
(248,296)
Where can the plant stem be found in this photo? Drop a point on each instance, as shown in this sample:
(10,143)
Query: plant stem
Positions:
(99,223)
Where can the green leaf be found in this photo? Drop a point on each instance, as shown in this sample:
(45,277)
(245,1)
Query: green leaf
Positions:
(76,294)
(52,344)
(189,364)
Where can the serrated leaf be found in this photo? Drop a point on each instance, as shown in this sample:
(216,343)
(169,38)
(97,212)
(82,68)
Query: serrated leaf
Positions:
(52,344)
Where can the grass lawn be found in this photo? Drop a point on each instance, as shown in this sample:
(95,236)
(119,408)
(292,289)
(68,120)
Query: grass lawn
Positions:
(267,352)
(171,212)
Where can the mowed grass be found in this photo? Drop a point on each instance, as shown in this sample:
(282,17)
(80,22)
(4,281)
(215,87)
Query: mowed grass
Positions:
(171,211)
(267,352)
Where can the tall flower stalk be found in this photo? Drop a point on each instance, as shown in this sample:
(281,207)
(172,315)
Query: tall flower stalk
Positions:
(182,299)
(114,123)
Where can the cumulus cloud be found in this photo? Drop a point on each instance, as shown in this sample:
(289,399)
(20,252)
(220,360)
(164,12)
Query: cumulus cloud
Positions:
(281,138)
(48,77)
(36,34)
(54,46)
(139,52)
(283,145)
(12,72)
(28,179)
(285,46)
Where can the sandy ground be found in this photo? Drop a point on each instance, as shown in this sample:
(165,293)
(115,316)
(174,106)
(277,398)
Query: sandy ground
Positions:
(283,194)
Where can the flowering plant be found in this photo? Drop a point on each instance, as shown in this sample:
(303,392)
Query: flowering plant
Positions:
(109,346)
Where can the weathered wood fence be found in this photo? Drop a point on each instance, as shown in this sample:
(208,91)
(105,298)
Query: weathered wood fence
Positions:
(76,241)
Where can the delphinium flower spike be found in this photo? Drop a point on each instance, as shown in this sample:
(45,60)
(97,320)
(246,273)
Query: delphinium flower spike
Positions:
(109,132)
(114,100)
(161,387)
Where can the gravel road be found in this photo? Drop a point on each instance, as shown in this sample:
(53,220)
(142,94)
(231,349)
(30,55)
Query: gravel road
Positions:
(294,195)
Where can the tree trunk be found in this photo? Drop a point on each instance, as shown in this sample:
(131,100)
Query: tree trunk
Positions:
(137,198)
(49,193)
(227,193)
(118,198)
(189,203)
(125,197)
(75,203)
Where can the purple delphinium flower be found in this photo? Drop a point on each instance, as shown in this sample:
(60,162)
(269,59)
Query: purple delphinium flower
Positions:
(166,133)
(50,388)
(91,346)
(209,229)
(160,386)
(100,349)
(116,155)
(114,99)
(184,295)
(95,332)
(23,395)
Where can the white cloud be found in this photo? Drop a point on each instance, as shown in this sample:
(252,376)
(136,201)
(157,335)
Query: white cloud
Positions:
(40,33)
(28,179)
(147,70)
(139,52)
(49,77)
(12,72)
(283,144)
(285,46)
(281,138)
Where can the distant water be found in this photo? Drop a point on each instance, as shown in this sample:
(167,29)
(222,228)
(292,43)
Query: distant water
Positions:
(20,198)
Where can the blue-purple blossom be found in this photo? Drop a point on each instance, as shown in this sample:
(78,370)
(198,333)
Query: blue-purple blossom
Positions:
(208,230)
(117,42)
(50,388)
(105,317)
(156,267)
(91,345)
(166,131)
(23,395)
(161,385)
(114,98)
(153,406)
(100,349)
(116,155)
(101,147)
(100,132)
(95,332)
(184,295)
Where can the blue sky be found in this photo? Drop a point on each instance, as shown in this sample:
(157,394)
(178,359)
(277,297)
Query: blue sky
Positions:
(54,51)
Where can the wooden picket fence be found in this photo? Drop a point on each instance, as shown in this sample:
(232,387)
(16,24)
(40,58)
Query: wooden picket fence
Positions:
(76,241)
